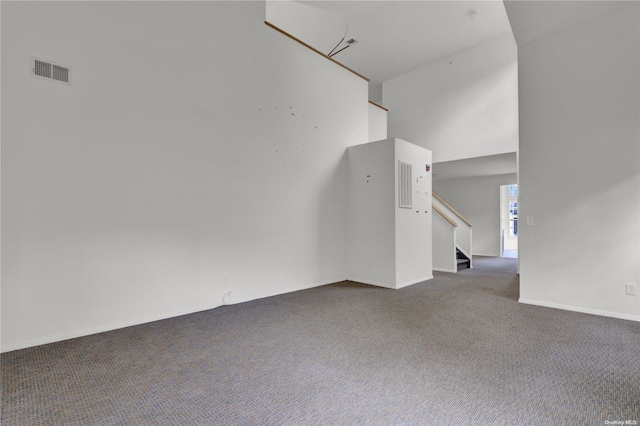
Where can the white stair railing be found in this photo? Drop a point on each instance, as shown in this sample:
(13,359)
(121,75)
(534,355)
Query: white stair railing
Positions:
(443,235)
(458,232)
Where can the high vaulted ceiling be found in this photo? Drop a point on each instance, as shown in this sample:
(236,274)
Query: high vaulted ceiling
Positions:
(395,37)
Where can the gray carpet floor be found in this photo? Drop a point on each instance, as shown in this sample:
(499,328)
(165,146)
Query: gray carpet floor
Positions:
(454,350)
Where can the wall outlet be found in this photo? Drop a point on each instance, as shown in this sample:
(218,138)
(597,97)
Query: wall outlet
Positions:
(632,289)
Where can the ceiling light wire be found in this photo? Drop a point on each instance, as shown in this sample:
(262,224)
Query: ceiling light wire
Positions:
(340,42)
(331,56)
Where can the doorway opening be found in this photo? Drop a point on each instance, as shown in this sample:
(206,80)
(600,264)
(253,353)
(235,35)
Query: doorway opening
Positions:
(509,221)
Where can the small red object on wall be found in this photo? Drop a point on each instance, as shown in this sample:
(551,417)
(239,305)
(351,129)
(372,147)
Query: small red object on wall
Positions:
(428,167)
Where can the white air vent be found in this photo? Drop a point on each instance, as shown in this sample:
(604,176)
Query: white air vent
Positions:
(42,69)
(61,73)
(50,70)
(405,179)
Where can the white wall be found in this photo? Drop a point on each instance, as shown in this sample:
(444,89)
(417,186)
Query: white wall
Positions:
(371,210)
(478,200)
(461,107)
(197,152)
(375,93)
(580,163)
(377,123)
(444,245)
(388,246)
(413,226)
(315,26)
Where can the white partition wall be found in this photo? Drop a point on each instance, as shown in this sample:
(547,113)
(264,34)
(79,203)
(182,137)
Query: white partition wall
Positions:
(377,123)
(579,176)
(464,230)
(444,244)
(413,225)
(389,210)
(371,213)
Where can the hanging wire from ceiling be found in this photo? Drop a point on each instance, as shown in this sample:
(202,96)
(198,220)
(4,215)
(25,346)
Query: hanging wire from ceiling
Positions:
(349,42)
(340,42)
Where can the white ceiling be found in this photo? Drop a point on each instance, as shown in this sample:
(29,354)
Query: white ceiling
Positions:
(500,164)
(535,20)
(395,37)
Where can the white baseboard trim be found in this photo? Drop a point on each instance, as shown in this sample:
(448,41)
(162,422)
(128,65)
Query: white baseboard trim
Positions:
(580,309)
(58,337)
(444,270)
(290,290)
(388,285)
(371,282)
(412,282)
(487,254)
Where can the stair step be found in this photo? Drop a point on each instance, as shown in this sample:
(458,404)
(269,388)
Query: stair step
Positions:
(463,261)
(462,266)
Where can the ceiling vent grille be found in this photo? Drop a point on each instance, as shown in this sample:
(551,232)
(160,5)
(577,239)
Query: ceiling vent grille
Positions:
(405,179)
(50,70)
